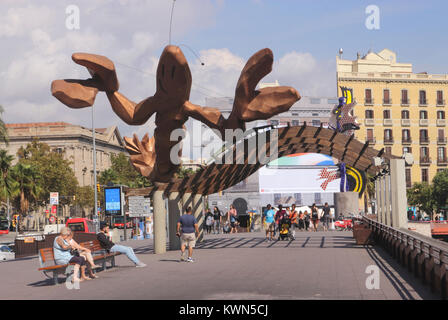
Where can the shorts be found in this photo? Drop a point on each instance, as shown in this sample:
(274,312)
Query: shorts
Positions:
(188,239)
(268,226)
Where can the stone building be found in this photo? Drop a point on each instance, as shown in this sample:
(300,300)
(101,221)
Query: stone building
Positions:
(74,141)
(399,110)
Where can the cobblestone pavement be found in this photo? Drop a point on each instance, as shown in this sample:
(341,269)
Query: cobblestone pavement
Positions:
(317,265)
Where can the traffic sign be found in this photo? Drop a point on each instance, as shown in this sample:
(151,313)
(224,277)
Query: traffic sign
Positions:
(52,219)
(54,198)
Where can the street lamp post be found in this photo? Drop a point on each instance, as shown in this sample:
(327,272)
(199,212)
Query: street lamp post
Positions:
(95,213)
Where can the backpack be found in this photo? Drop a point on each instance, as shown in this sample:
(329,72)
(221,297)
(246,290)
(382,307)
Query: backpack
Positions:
(209,221)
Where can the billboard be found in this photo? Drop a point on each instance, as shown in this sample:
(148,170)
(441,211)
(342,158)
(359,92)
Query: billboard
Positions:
(112,197)
(296,180)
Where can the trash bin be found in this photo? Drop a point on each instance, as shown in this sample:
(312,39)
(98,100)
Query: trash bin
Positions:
(362,234)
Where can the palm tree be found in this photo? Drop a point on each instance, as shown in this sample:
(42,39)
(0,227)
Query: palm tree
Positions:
(8,187)
(28,180)
(108,176)
(3,131)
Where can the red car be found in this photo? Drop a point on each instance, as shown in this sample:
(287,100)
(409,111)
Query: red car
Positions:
(4,226)
(81,225)
(118,222)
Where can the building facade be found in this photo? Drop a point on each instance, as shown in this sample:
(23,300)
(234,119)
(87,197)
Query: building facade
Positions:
(74,141)
(399,110)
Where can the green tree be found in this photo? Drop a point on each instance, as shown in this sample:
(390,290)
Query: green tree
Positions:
(28,183)
(84,196)
(440,189)
(8,187)
(3,130)
(421,195)
(125,173)
(108,176)
(56,174)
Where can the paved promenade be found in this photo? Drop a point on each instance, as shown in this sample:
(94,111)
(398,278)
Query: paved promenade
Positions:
(321,265)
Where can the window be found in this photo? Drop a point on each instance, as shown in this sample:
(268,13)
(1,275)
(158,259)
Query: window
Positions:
(441,154)
(315,100)
(274,122)
(369,114)
(425,175)
(298,198)
(315,114)
(370,137)
(388,150)
(440,115)
(406,135)
(386,114)
(422,97)
(424,135)
(423,114)
(315,123)
(388,135)
(424,151)
(404,96)
(386,96)
(405,114)
(407,150)
(408,178)
(368,94)
(440,100)
(277,197)
(333,101)
(295,122)
(441,135)
(317,198)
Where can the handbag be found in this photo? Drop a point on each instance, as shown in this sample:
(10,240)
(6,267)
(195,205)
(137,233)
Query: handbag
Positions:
(74,252)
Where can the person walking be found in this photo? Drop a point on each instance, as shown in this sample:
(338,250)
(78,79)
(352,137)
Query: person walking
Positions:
(188,225)
(279,215)
(208,221)
(232,217)
(301,220)
(216,220)
(326,216)
(307,221)
(292,213)
(314,217)
(268,222)
(104,238)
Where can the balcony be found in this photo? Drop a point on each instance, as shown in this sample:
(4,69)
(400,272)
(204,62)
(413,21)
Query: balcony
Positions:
(388,140)
(406,140)
(423,103)
(405,102)
(405,122)
(441,122)
(425,160)
(371,140)
(369,122)
(388,122)
(368,102)
(424,140)
(424,122)
(387,102)
(441,140)
(442,161)
(440,103)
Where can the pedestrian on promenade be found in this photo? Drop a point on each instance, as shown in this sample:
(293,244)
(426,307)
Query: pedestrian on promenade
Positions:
(187,230)
(268,222)
(86,253)
(208,221)
(326,216)
(301,220)
(64,254)
(314,216)
(216,220)
(292,213)
(279,215)
(232,217)
(307,220)
(104,238)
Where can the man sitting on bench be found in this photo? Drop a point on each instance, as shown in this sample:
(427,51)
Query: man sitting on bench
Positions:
(104,239)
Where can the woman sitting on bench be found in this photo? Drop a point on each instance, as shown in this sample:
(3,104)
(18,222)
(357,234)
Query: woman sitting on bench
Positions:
(63,255)
(86,253)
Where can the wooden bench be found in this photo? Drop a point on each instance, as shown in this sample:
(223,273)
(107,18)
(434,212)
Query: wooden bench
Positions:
(48,265)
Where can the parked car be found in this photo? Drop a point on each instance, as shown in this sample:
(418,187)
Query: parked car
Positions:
(6,253)
(81,225)
(118,222)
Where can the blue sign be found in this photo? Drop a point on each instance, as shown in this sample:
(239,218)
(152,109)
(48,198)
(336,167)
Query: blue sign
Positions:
(112,196)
